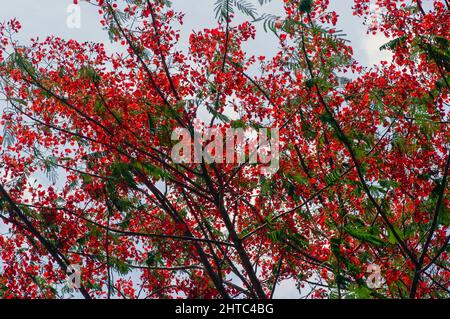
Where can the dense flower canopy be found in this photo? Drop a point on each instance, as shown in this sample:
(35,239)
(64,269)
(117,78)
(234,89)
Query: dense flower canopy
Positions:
(363,167)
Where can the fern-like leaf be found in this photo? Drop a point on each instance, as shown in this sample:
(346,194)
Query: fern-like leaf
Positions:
(269,22)
(224,8)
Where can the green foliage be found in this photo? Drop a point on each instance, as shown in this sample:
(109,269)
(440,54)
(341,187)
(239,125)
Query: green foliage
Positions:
(276,236)
(391,237)
(89,73)
(245,7)
(438,51)
(219,115)
(151,259)
(150,170)
(305,5)
(299,178)
(50,168)
(333,176)
(122,204)
(391,45)
(121,172)
(361,291)
(20,101)
(118,264)
(224,8)
(238,124)
(99,108)
(444,216)
(308,131)
(310,83)
(269,22)
(24,65)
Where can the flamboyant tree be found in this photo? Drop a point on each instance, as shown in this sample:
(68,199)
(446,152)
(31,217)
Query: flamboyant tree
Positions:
(87,175)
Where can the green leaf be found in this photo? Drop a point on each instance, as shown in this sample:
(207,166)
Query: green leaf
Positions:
(364,236)
(391,45)
(121,171)
(122,204)
(363,292)
(24,64)
(310,83)
(151,258)
(391,237)
(299,239)
(299,178)
(238,124)
(220,116)
(305,5)
(222,9)
(246,8)
(20,101)
(308,131)
(444,216)
(99,107)
(150,169)
(89,73)
(333,176)
(269,22)
(119,265)
(276,236)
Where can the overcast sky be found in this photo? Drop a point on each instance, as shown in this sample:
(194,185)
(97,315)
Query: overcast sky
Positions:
(49,17)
